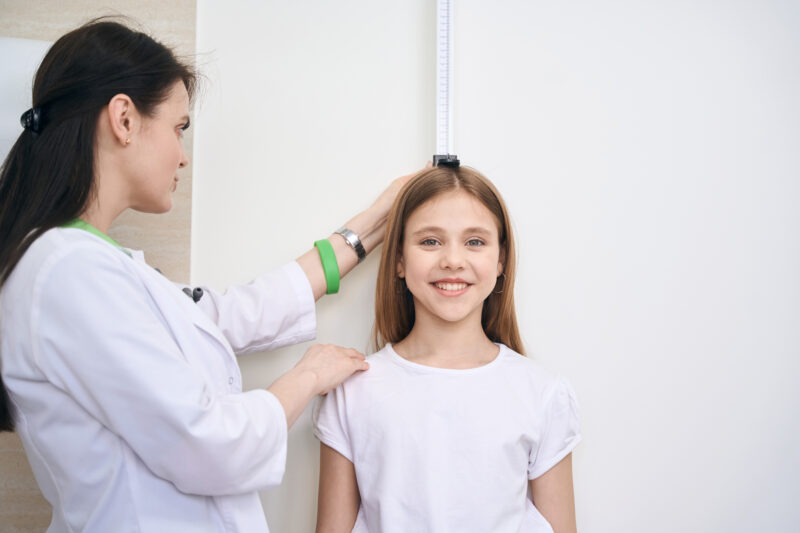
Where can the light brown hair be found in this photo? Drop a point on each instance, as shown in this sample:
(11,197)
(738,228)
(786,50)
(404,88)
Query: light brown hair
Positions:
(394,303)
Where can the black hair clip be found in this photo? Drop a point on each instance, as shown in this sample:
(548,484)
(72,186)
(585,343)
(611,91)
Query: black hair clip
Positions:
(32,119)
(449,160)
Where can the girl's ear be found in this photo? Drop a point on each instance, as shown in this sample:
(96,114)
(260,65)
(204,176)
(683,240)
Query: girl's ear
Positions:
(500,262)
(401,269)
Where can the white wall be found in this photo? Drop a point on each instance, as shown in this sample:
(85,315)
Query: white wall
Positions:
(648,154)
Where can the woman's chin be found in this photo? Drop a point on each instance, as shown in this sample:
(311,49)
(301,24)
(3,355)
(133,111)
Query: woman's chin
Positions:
(155,209)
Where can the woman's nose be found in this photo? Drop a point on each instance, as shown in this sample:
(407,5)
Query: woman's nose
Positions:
(184,160)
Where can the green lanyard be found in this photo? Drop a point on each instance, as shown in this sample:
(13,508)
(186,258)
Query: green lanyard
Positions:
(81,224)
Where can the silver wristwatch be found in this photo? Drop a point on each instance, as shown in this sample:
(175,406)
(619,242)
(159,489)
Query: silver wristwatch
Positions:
(354,242)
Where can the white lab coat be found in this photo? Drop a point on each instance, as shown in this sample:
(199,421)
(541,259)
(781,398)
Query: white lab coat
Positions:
(128,394)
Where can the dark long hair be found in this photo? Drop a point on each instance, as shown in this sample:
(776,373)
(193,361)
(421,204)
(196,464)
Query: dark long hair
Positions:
(47,179)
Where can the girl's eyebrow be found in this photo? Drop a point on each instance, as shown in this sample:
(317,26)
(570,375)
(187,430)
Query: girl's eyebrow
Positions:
(428,229)
(437,229)
(478,229)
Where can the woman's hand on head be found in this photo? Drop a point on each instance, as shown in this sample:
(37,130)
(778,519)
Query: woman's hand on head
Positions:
(384,202)
(331,365)
(369,225)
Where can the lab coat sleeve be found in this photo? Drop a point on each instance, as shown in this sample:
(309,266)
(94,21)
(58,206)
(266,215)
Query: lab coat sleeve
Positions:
(276,309)
(99,337)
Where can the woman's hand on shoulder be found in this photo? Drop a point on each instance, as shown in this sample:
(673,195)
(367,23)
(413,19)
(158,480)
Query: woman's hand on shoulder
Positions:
(331,365)
(322,368)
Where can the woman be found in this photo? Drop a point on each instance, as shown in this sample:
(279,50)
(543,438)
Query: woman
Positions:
(126,392)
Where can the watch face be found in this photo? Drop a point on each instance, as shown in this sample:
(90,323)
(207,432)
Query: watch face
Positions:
(354,242)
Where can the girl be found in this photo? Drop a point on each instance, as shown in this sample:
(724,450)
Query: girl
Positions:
(452,428)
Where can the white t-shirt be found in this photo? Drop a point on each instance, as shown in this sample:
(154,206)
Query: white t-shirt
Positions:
(445,450)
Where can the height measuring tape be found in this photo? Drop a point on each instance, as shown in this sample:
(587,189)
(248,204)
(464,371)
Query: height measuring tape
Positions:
(444,85)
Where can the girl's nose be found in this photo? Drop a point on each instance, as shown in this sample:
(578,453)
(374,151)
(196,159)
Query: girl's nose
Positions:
(184,160)
(452,257)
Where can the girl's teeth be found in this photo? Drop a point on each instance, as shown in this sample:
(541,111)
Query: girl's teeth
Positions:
(452,286)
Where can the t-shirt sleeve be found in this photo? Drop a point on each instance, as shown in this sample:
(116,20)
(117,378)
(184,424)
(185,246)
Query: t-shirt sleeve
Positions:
(330,422)
(561,432)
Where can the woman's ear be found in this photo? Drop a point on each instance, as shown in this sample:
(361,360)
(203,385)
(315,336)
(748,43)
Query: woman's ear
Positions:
(123,118)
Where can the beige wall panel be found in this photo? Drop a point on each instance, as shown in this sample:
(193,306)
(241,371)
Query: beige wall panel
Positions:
(173,23)
(164,238)
(22,507)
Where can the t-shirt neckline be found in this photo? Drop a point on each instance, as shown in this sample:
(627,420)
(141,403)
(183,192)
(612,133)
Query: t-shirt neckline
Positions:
(402,361)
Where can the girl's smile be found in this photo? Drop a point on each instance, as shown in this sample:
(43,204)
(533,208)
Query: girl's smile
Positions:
(451,287)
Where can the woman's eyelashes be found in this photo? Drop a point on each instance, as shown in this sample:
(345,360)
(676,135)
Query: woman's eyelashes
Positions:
(182,128)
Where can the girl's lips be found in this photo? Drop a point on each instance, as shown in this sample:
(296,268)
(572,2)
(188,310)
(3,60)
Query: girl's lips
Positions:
(451,289)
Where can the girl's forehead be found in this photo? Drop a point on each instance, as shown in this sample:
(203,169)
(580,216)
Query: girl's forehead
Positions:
(452,209)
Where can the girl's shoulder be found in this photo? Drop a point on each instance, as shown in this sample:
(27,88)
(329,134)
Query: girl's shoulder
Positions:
(382,362)
(532,373)
(524,363)
(371,381)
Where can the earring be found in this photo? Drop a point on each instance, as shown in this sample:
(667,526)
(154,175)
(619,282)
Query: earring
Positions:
(503,275)
(127,142)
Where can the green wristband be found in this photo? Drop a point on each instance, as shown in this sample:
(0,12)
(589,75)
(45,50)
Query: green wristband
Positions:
(329,265)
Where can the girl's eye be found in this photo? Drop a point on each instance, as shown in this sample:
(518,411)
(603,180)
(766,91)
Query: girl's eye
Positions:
(429,242)
(475,242)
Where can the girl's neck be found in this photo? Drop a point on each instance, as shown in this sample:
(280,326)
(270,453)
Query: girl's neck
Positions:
(442,344)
